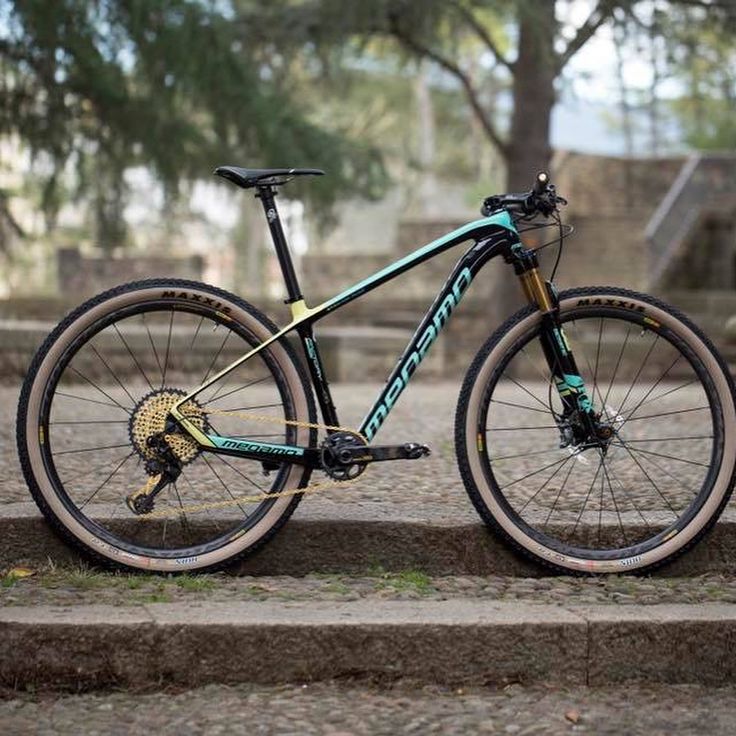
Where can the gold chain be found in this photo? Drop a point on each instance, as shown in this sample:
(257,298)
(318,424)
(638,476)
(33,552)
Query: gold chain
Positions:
(237,500)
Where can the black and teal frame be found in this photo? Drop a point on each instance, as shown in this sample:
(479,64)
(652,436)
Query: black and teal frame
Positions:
(492,236)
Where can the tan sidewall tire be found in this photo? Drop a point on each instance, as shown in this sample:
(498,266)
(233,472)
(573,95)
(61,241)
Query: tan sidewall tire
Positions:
(79,532)
(721,487)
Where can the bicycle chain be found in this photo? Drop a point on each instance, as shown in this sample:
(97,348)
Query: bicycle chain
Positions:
(237,500)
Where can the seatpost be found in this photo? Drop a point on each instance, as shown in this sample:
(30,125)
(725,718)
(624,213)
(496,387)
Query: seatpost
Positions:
(267,196)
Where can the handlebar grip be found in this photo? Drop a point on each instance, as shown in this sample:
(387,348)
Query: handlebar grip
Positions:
(541,183)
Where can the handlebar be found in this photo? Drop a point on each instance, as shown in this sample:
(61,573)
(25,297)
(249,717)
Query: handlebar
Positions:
(541,199)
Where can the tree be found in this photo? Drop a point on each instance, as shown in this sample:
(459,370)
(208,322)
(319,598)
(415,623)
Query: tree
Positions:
(99,87)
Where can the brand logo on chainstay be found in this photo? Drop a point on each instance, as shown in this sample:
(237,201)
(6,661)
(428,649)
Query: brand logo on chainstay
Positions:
(225,443)
(409,364)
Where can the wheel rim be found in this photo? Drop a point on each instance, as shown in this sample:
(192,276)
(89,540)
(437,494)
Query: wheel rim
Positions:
(137,351)
(580,504)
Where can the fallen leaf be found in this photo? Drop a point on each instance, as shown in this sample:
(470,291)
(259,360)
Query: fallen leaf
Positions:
(572,715)
(21,572)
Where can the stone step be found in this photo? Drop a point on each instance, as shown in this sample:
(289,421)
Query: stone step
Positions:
(454,641)
(352,538)
(347,708)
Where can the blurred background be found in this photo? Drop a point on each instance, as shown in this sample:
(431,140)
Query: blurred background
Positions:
(113,114)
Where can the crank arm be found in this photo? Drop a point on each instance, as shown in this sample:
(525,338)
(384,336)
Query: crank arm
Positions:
(381,453)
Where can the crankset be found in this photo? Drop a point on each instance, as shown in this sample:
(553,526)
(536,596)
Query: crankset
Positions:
(345,455)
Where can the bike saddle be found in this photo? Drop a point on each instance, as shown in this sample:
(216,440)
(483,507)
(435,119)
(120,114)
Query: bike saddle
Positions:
(247,178)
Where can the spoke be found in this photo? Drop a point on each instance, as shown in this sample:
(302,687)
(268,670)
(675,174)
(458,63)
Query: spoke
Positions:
(526,390)
(521,429)
(536,472)
(597,360)
(168,348)
(658,396)
(107,479)
(196,332)
(211,516)
(545,378)
(240,473)
(667,473)
(638,373)
(648,477)
(223,484)
(559,493)
(90,421)
(522,406)
(93,470)
(615,505)
(153,346)
(594,373)
(524,454)
(214,360)
(134,359)
(215,397)
(665,414)
(618,364)
(647,394)
(673,439)
(92,449)
(631,499)
(659,454)
(112,373)
(102,391)
(587,497)
(544,485)
(225,412)
(91,401)
(183,516)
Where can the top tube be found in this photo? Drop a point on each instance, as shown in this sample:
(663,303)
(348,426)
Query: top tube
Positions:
(498,219)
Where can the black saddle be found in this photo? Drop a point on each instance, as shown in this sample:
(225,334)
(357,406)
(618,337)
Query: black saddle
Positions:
(247,178)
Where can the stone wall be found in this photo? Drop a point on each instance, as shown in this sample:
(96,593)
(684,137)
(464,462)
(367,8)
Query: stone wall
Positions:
(83,275)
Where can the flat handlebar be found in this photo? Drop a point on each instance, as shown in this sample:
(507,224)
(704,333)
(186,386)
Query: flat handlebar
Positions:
(541,199)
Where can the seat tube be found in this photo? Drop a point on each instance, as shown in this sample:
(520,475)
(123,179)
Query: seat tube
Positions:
(267,195)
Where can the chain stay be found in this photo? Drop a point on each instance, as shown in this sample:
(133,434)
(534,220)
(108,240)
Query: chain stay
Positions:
(237,500)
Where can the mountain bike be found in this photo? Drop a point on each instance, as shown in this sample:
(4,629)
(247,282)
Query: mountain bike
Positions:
(169,425)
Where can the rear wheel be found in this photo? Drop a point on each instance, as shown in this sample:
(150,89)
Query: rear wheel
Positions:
(668,471)
(103,383)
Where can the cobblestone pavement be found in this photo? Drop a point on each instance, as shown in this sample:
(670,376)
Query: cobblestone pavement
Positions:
(78,586)
(344,710)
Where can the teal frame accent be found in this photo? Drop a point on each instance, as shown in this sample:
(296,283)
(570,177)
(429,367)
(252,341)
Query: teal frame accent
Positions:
(494,235)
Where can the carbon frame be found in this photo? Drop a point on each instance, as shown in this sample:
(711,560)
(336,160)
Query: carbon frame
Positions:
(492,236)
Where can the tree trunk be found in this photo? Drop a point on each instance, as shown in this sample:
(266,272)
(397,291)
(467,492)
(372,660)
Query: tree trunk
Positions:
(528,150)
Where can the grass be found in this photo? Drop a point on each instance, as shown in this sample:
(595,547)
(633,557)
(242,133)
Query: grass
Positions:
(406,581)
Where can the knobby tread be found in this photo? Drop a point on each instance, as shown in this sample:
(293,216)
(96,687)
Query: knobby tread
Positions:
(462,441)
(21,439)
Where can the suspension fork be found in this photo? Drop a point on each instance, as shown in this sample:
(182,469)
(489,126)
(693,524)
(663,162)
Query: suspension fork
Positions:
(563,368)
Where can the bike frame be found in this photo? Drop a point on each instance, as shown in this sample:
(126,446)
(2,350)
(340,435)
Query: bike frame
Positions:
(492,236)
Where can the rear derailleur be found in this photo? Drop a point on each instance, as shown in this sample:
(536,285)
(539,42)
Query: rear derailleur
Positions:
(164,468)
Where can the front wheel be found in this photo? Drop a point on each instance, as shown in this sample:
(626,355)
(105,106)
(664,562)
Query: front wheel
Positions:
(654,489)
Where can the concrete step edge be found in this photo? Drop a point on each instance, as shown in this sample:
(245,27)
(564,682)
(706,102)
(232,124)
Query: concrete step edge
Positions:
(326,544)
(469,641)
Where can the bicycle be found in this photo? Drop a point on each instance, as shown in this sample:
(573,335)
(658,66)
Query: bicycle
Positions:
(595,429)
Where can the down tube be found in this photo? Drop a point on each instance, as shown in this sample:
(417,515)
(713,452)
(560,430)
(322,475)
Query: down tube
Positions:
(427,332)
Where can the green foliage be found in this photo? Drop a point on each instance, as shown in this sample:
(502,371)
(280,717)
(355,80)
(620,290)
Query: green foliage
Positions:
(702,54)
(178,86)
